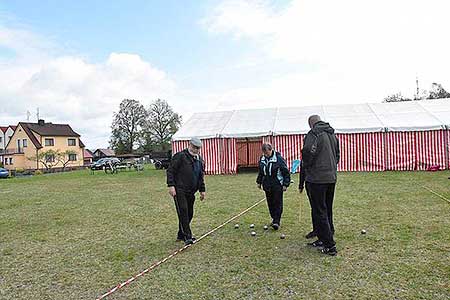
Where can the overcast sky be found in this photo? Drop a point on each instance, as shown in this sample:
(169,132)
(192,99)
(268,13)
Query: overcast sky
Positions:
(76,61)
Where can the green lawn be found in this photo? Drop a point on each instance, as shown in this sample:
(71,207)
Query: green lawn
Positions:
(76,235)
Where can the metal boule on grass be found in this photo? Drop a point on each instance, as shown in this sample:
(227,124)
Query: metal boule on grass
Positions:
(282,236)
(253,233)
(236,226)
(266,227)
(252,225)
(363,231)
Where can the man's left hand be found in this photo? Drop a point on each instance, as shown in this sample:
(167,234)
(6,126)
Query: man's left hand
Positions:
(202,196)
(284,188)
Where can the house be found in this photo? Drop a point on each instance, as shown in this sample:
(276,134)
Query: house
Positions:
(88,157)
(6,133)
(100,153)
(30,142)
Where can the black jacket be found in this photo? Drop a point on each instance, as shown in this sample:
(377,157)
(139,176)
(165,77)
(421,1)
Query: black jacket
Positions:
(180,173)
(273,172)
(320,154)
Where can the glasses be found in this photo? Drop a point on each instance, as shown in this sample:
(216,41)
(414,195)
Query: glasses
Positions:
(196,147)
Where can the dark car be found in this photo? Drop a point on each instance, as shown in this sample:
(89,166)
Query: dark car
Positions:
(161,160)
(104,162)
(4,173)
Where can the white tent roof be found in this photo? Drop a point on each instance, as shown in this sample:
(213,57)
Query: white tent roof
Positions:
(352,118)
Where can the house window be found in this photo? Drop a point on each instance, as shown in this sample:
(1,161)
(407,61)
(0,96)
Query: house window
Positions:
(1,139)
(24,143)
(72,157)
(6,161)
(10,161)
(72,142)
(49,142)
(50,158)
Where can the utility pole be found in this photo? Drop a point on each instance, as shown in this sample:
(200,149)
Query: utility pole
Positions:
(417,88)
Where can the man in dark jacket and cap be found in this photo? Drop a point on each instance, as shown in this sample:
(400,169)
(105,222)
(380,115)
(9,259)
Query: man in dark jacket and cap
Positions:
(274,178)
(184,178)
(320,156)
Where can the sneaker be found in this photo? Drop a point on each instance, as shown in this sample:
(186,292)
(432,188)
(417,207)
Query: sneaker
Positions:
(275,226)
(311,235)
(329,251)
(188,242)
(316,244)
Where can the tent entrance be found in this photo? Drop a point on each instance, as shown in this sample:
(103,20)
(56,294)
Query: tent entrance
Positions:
(248,152)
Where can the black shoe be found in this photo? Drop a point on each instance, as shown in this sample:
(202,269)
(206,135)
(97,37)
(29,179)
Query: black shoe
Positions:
(180,238)
(329,251)
(311,235)
(316,244)
(275,226)
(188,242)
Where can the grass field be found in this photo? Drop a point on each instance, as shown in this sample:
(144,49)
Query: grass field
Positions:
(76,235)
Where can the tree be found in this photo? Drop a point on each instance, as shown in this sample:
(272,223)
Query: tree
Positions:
(64,157)
(126,126)
(161,124)
(396,98)
(437,92)
(49,158)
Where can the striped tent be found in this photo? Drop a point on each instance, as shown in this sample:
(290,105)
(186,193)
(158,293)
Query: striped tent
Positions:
(411,135)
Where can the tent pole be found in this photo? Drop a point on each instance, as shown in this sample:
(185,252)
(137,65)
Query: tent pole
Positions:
(447,147)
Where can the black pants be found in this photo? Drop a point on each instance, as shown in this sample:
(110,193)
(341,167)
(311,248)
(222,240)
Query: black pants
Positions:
(321,197)
(274,196)
(184,203)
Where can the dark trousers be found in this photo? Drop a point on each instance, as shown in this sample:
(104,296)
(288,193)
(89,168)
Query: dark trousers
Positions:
(321,199)
(274,196)
(184,203)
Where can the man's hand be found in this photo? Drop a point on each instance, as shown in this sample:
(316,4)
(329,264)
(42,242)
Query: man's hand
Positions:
(284,188)
(300,190)
(202,196)
(259,185)
(172,191)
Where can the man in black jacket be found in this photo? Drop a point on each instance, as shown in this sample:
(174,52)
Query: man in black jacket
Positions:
(185,176)
(274,177)
(320,156)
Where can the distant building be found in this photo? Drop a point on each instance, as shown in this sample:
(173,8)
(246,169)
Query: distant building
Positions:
(100,153)
(30,139)
(88,157)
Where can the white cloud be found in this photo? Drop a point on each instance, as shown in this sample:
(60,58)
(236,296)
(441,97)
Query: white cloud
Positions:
(69,89)
(362,50)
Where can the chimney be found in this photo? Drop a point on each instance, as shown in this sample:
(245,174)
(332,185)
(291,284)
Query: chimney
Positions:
(41,122)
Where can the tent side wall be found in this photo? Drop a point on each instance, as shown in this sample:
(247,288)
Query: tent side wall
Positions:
(448,149)
(219,154)
(289,146)
(431,149)
(367,152)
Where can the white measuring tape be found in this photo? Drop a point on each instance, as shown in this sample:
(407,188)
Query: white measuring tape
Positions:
(156,264)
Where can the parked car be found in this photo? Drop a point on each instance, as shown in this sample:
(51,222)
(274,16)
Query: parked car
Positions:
(161,160)
(161,164)
(103,162)
(4,173)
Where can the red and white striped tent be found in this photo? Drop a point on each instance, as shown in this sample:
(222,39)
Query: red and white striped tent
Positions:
(411,135)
